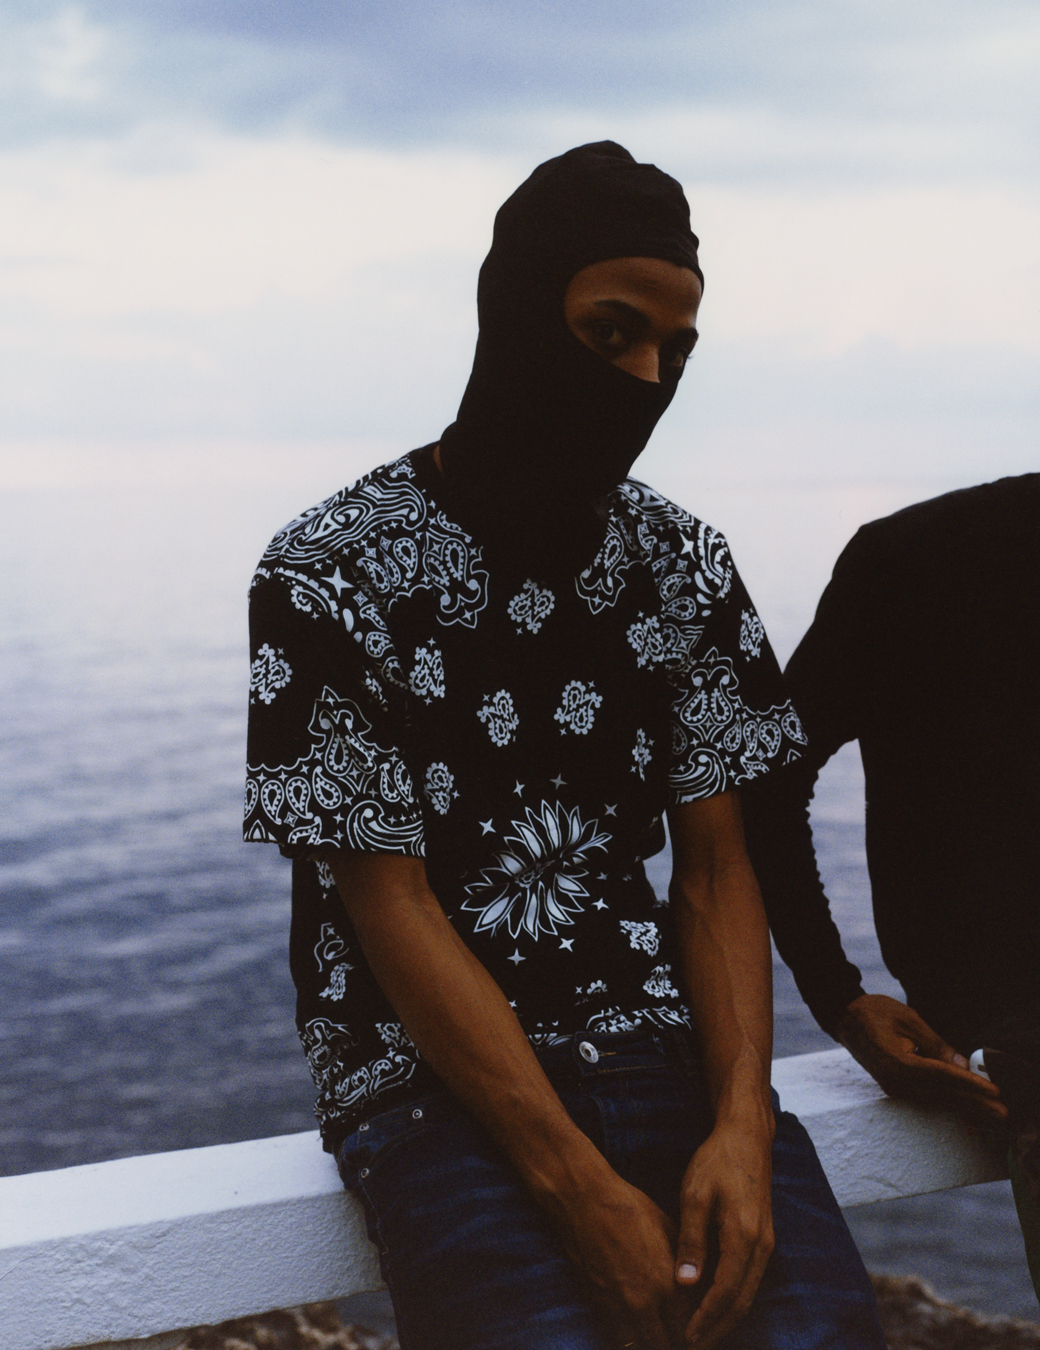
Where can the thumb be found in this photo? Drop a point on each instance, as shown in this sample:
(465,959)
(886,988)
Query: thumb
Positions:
(692,1246)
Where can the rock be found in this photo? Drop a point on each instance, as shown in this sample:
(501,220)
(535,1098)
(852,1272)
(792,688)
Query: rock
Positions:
(316,1326)
(913,1318)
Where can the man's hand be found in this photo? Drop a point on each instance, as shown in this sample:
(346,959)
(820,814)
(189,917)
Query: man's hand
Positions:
(908,1059)
(623,1245)
(727,1187)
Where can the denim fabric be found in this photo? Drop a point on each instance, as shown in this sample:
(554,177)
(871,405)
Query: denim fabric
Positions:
(470,1262)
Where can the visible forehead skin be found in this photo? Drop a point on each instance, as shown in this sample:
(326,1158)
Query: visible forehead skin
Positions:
(674,291)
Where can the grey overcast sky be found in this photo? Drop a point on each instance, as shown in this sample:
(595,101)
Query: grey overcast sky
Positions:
(245,223)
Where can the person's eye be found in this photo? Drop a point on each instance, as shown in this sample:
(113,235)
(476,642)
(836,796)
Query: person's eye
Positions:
(606,333)
(676,358)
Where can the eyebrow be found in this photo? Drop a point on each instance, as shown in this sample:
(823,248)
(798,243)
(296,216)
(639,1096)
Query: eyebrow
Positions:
(633,312)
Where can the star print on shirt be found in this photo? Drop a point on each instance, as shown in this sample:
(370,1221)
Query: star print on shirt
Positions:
(601,904)
(567,945)
(519,789)
(611,810)
(486,826)
(558,782)
(516,958)
(337,581)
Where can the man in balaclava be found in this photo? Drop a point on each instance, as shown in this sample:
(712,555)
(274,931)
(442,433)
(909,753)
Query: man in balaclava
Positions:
(481,675)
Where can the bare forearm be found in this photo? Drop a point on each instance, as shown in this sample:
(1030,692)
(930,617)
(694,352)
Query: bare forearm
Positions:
(726,967)
(727,973)
(463,1026)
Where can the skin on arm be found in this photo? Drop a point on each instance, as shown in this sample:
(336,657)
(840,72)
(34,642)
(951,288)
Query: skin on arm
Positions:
(461,1022)
(908,1059)
(727,972)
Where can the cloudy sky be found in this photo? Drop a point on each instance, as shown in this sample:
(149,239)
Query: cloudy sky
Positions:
(231,225)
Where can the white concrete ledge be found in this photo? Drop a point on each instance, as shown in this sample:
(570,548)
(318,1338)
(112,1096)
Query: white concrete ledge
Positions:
(871,1146)
(118,1251)
(127,1249)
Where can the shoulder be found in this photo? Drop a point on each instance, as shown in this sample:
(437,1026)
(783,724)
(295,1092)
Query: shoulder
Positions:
(676,540)
(342,524)
(990,508)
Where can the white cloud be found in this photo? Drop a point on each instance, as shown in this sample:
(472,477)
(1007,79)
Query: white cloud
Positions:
(201,243)
(921,267)
(83,230)
(67,50)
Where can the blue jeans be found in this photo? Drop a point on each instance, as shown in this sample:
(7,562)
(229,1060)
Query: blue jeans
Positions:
(471,1264)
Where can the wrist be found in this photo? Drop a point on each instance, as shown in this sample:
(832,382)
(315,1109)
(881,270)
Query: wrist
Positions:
(746,1103)
(565,1174)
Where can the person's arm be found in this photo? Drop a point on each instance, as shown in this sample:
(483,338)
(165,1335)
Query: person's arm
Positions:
(727,973)
(463,1026)
(829,678)
(780,845)
(900,1051)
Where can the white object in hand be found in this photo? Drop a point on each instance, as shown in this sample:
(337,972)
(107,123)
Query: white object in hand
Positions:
(977,1064)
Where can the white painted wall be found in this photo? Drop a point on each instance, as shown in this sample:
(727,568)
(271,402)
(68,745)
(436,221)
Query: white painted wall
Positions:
(142,1247)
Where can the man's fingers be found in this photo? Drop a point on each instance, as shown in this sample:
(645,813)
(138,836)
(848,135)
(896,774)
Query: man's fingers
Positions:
(691,1250)
(929,1044)
(642,1332)
(935,1082)
(729,1298)
(745,1243)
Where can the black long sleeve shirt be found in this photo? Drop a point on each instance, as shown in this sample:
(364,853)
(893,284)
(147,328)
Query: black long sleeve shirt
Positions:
(926,649)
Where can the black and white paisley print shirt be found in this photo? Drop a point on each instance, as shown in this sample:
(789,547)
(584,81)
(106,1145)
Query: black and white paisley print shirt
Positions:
(521,736)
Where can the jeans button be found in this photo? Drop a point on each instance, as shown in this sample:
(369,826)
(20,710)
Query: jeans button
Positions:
(417,1114)
(588,1052)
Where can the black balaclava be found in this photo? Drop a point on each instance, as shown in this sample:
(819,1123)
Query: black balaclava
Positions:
(547,427)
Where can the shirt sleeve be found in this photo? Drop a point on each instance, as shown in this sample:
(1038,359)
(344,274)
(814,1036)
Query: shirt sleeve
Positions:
(731,717)
(328,724)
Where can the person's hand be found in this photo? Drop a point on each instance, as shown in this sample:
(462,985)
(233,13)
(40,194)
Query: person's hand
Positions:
(908,1059)
(623,1246)
(728,1188)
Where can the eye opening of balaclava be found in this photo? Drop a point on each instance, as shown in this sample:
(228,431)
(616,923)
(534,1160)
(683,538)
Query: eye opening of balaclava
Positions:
(547,427)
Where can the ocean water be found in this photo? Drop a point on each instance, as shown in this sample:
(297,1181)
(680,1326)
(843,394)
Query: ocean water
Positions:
(145,1001)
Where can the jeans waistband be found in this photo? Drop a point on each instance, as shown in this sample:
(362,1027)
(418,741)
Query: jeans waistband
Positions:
(587,1049)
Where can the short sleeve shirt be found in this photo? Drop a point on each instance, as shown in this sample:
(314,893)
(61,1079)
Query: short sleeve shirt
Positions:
(523,736)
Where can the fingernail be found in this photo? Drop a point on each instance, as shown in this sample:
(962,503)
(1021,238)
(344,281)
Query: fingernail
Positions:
(687,1272)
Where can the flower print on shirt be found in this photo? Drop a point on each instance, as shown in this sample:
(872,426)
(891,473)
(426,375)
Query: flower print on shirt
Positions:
(642,754)
(538,880)
(499,717)
(440,787)
(642,937)
(613,1020)
(659,985)
(647,640)
(268,673)
(337,985)
(531,606)
(427,678)
(577,710)
(752,633)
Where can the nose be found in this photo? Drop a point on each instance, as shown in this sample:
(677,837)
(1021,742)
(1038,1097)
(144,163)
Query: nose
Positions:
(644,362)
